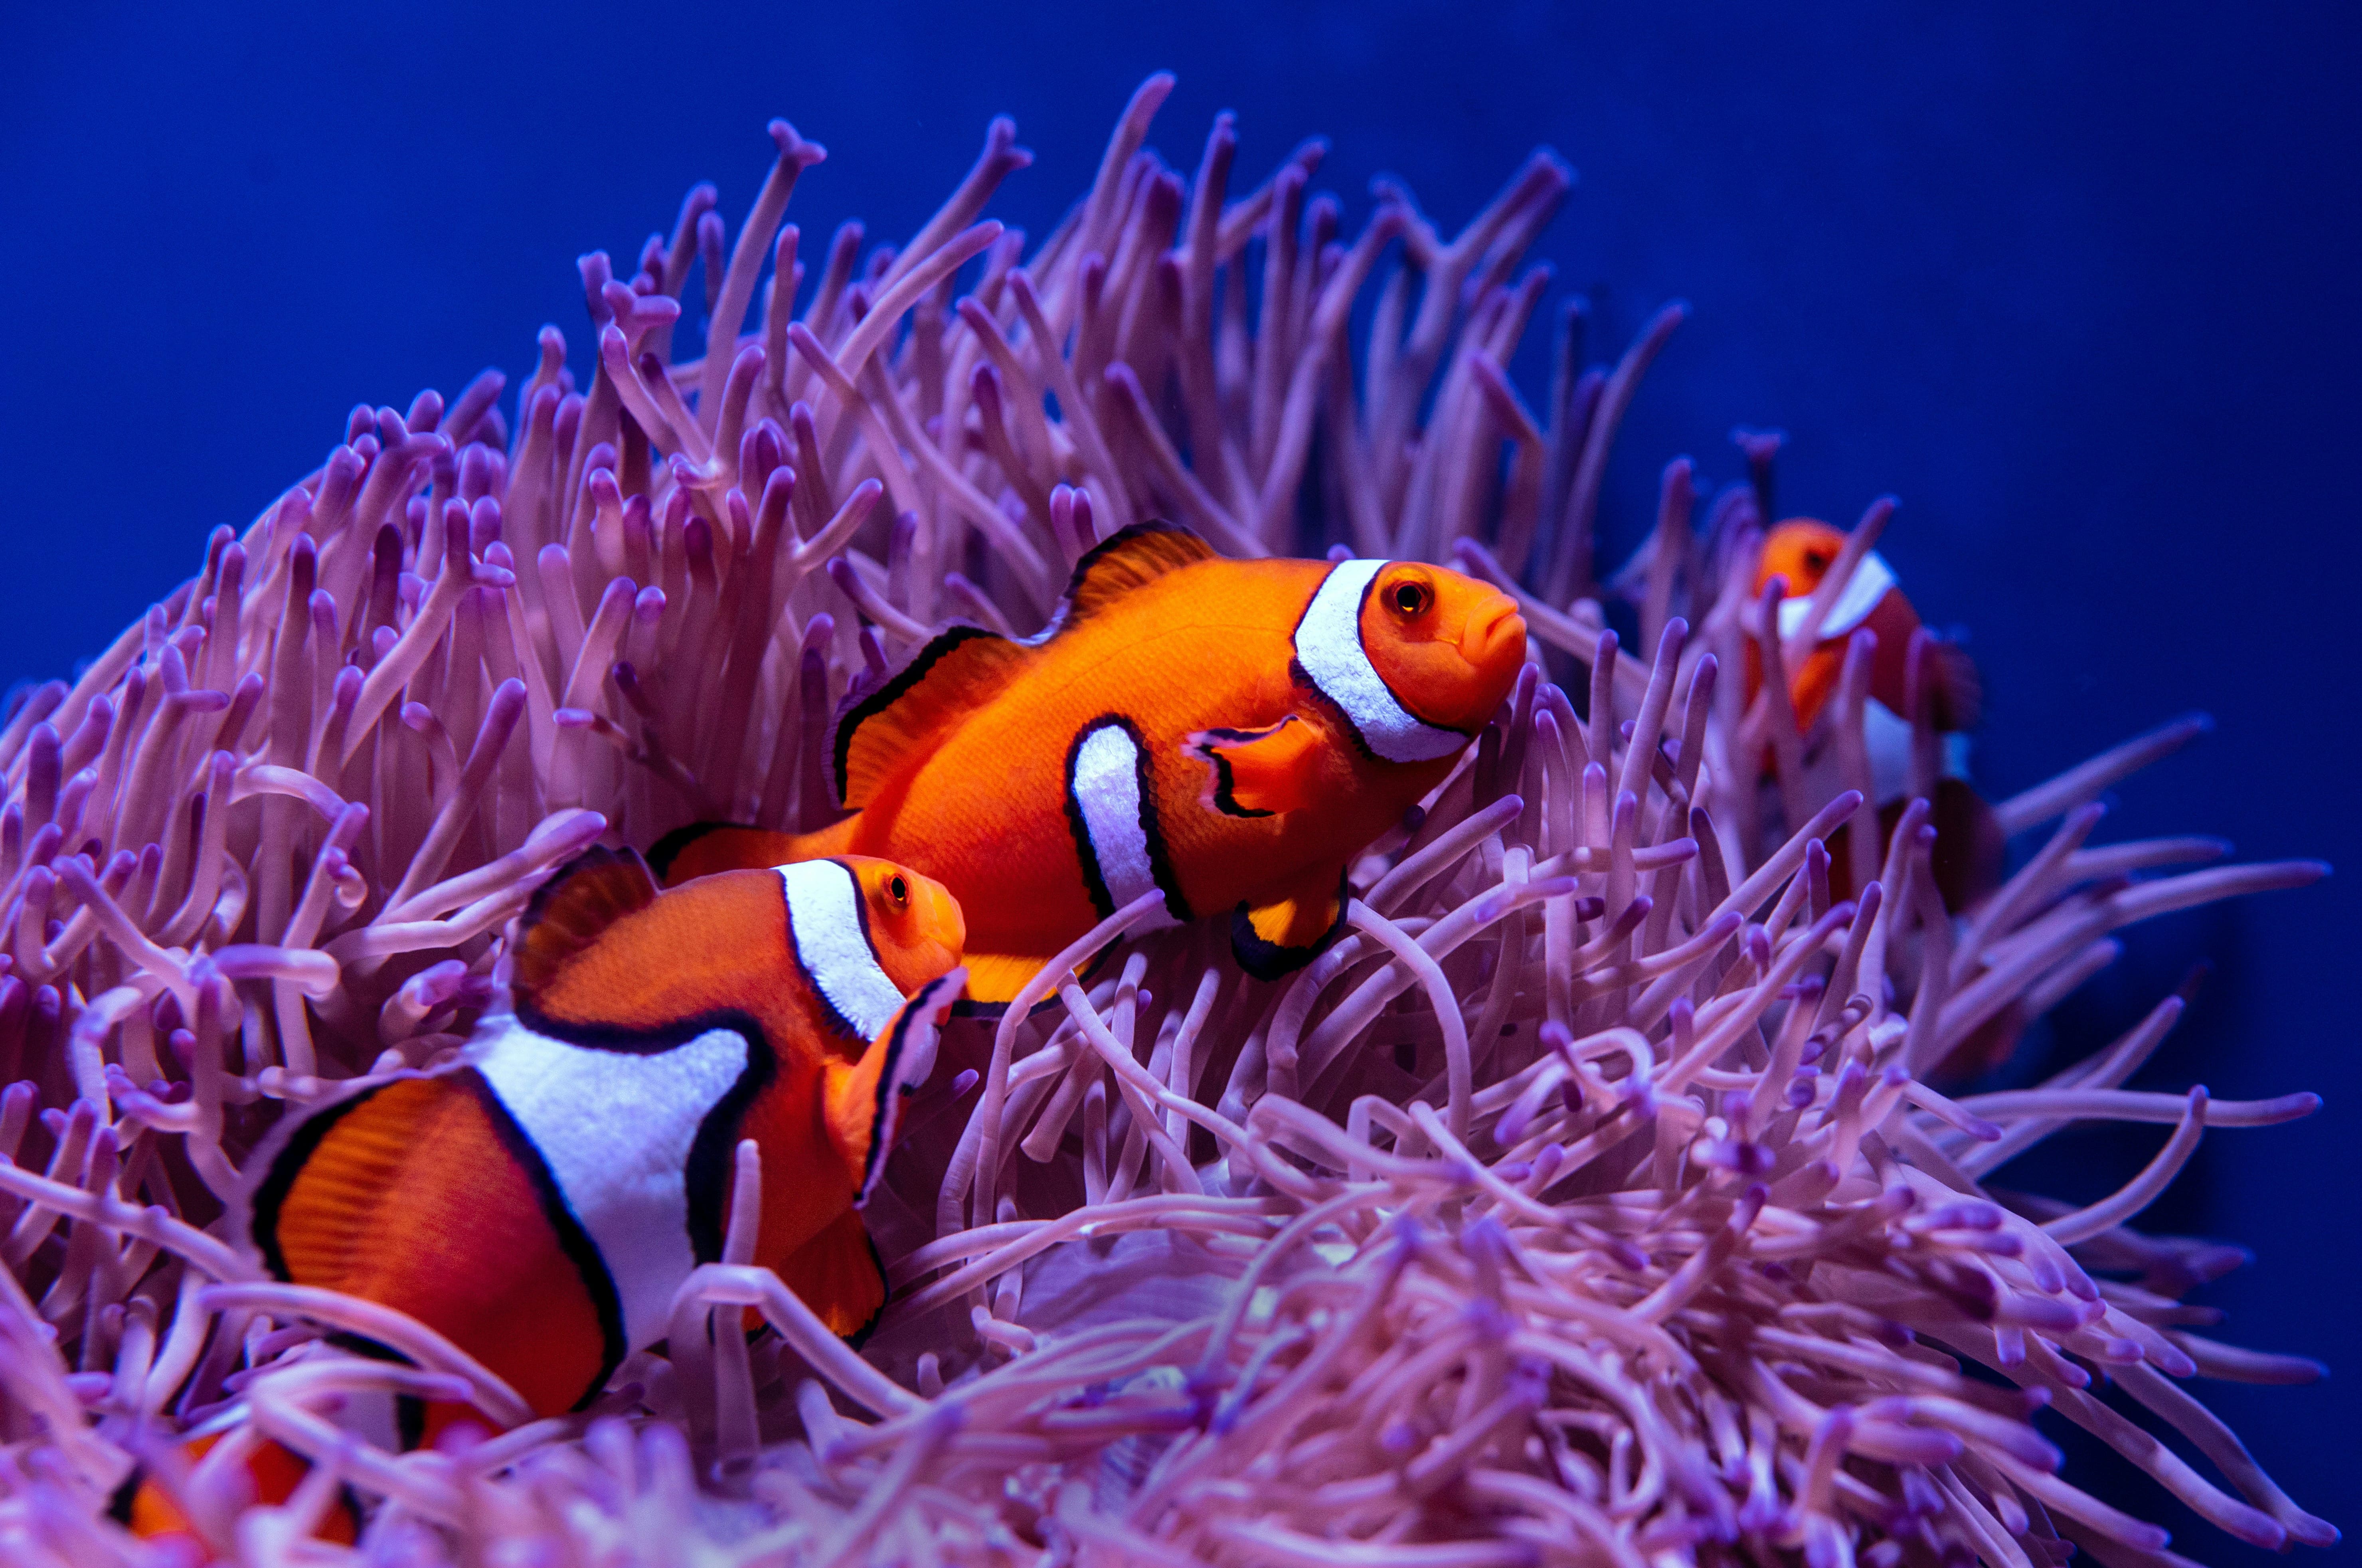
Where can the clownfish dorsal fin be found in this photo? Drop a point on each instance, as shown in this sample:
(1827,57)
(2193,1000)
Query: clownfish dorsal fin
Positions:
(959,671)
(573,910)
(1124,561)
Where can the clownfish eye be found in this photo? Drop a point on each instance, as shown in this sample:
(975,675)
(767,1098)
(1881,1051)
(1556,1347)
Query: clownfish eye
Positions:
(1816,562)
(899,890)
(1411,599)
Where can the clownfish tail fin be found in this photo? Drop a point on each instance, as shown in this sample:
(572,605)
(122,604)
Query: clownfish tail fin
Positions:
(574,909)
(863,1099)
(909,712)
(345,1156)
(702,848)
(149,1503)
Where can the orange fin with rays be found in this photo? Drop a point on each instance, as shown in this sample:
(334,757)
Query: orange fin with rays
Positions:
(862,1100)
(957,672)
(147,1506)
(573,910)
(1124,560)
(1260,773)
(995,979)
(421,1193)
(838,1275)
(1288,931)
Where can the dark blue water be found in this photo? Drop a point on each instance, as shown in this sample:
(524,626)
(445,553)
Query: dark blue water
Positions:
(2081,291)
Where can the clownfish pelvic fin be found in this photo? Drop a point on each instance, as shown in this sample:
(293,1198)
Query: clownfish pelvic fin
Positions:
(839,1275)
(1261,773)
(1285,933)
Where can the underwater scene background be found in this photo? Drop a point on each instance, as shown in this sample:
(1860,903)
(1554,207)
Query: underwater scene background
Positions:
(2078,289)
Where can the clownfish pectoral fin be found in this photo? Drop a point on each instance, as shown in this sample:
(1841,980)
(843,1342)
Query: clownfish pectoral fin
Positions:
(907,714)
(1260,773)
(1286,932)
(1124,560)
(837,1274)
(574,909)
(863,1099)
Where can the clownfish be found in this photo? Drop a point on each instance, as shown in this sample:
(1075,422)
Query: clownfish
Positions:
(539,1200)
(271,1475)
(1226,735)
(1801,550)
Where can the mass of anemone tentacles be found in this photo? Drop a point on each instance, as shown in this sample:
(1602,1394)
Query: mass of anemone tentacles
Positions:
(1587,1202)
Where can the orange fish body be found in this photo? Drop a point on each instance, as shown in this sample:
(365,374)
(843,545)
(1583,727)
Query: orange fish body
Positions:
(1226,734)
(1801,550)
(539,1202)
(270,1475)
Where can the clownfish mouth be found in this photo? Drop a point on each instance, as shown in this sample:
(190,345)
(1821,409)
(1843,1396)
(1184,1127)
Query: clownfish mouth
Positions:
(1495,635)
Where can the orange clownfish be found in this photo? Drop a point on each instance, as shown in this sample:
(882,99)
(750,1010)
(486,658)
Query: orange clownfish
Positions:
(271,1475)
(1801,550)
(1225,734)
(539,1202)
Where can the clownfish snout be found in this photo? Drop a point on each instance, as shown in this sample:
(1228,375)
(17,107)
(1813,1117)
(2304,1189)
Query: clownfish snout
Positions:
(945,920)
(914,924)
(1493,640)
(1447,645)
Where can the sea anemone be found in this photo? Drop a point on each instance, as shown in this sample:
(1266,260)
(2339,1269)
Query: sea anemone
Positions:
(1592,1200)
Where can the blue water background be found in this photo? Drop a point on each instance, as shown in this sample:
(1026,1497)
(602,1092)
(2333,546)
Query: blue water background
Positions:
(2076,284)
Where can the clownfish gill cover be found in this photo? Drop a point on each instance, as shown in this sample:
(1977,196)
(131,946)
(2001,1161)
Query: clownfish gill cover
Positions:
(1476,1054)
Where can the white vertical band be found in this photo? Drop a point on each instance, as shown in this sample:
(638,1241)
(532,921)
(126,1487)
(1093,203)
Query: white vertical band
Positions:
(1870,580)
(1105,785)
(1328,646)
(832,942)
(616,1127)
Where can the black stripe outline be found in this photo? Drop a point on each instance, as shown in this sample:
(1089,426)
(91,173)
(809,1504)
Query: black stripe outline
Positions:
(1268,960)
(712,1158)
(1160,858)
(860,712)
(572,1239)
(1303,677)
(667,849)
(836,1021)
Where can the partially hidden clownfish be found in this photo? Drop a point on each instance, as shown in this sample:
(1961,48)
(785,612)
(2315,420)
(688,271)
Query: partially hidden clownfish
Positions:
(1801,550)
(1227,734)
(539,1200)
